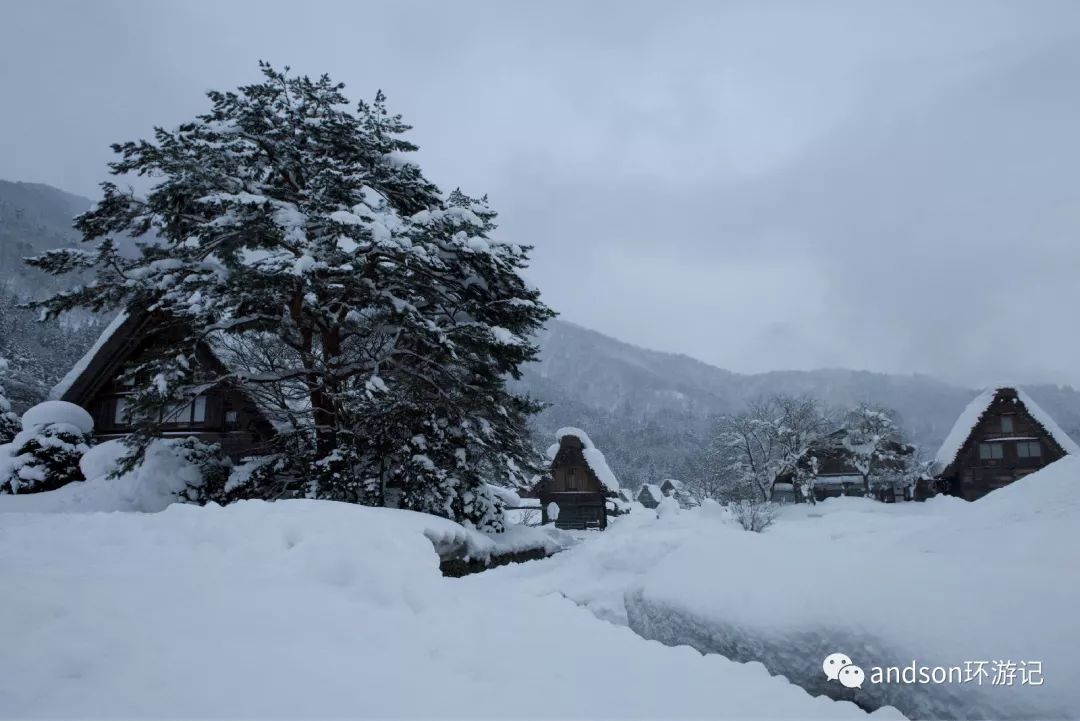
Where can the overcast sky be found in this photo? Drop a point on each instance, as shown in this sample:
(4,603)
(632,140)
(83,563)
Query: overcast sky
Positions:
(761,185)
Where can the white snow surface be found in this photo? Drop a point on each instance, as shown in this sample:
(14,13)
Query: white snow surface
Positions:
(151,487)
(79,368)
(973,412)
(314,609)
(52,412)
(941,582)
(592,454)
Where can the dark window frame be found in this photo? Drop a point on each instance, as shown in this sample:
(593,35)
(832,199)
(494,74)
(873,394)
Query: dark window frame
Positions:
(1024,449)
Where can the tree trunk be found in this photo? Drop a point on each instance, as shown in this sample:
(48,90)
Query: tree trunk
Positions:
(322,397)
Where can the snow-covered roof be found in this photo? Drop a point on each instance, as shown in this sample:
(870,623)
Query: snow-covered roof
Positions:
(653,490)
(593,456)
(79,368)
(967,421)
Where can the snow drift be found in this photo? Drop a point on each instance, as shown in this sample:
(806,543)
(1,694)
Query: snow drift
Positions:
(939,583)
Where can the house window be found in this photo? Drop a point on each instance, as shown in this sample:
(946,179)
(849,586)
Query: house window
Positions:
(232,419)
(120,414)
(198,411)
(571,479)
(1007,424)
(1028,449)
(991,451)
(182,414)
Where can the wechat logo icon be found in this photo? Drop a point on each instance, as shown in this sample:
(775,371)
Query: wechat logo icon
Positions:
(838,667)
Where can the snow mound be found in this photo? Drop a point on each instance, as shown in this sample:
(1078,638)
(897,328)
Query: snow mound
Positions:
(592,454)
(102,459)
(52,412)
(151,487)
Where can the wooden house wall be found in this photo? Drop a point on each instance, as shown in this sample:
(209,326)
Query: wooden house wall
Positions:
(231,419)
(972,477)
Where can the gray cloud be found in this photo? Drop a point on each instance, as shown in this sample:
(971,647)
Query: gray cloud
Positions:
(890,186)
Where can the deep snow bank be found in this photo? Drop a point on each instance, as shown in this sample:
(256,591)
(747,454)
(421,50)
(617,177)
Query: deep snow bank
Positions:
(316,609)
(153,486)
(939,583)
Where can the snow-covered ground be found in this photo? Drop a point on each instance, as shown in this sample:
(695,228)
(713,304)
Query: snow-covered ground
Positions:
(308,608)
(941,584)
(316,609)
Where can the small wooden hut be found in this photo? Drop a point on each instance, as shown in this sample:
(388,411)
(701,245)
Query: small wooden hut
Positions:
(649,495)
(574,494)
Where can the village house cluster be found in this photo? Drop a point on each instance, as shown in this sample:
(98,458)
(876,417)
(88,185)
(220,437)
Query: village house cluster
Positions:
(1001,436)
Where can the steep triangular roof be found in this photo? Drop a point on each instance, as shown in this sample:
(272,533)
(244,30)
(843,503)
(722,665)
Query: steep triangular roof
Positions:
(99,364)
(593,457)
(79,382)
(652,490)
(969,419)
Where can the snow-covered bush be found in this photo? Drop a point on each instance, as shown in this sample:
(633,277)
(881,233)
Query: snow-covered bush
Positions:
(753,514)
(45,454)
(212,466)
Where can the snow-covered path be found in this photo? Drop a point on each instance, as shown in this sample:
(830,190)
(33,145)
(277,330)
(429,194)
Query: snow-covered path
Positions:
(944,584)
(312,609)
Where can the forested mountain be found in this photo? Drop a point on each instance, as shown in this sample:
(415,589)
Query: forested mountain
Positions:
(650,411)
(33,218)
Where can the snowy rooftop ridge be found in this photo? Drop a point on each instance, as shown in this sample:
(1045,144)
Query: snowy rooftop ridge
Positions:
(79,368)
(592,454)
(969,418)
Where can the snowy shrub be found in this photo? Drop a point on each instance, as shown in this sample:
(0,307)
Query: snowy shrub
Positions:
(212,470)
(45,454)
(753,515)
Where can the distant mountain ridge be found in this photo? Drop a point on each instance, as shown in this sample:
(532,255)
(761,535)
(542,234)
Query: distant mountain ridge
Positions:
(650,411)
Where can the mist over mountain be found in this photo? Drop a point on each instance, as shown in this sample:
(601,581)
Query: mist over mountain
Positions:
(649,411)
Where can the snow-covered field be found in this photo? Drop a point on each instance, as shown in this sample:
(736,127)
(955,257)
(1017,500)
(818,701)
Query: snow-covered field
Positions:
(309,608)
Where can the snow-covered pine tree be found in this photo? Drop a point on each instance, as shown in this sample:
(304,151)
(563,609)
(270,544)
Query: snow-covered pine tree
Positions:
(376,316)
(9,422)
